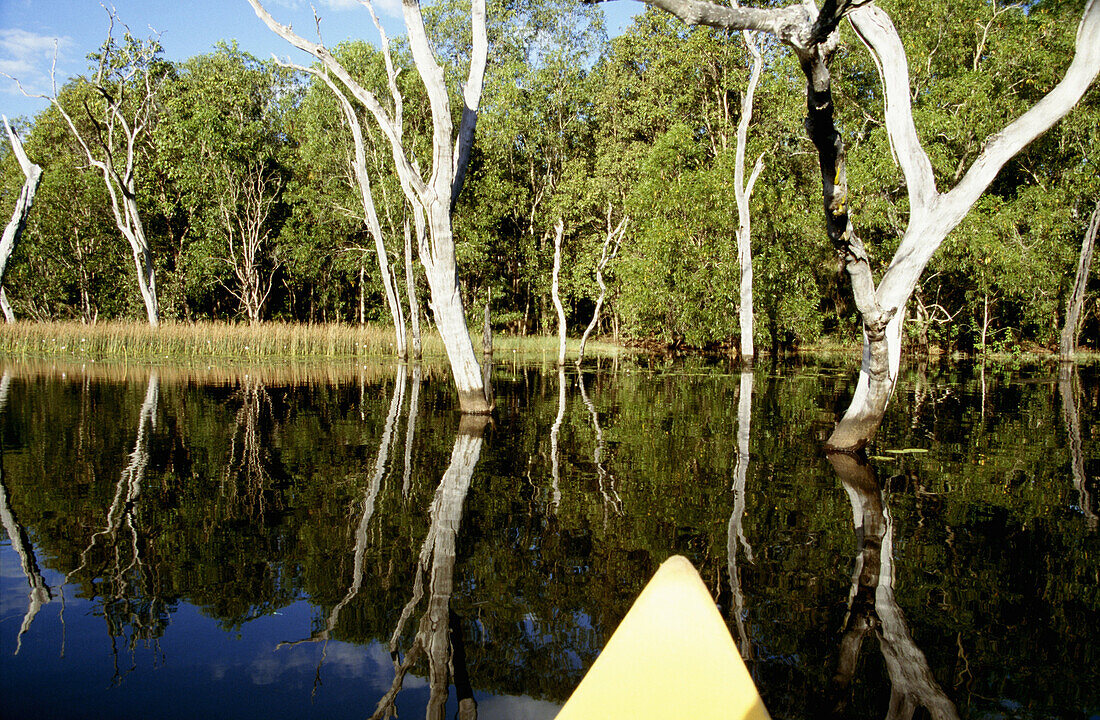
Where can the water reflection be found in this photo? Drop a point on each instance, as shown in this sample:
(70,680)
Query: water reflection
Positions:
(872,607)
(438,635)
(39,591)
(273,538)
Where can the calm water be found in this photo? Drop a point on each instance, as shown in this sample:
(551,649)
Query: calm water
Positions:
(183,545)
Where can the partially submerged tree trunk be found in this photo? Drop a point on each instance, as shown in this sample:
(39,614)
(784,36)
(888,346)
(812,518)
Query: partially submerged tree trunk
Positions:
(14,229)
(432,197)
(742,191)
(559,230)
(1067,344)
(611,242)
(813,37)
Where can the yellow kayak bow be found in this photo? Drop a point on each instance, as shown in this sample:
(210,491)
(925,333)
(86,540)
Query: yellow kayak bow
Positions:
(671,657)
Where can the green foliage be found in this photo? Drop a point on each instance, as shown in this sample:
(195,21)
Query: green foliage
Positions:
(590,131)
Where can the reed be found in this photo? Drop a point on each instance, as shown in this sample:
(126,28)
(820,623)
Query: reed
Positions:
(211,342)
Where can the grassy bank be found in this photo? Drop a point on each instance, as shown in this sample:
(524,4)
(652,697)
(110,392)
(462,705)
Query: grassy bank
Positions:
(232,343)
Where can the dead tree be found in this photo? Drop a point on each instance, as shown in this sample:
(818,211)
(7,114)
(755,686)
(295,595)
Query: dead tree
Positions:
(125,83)
(1067,345)
(19,214)
(813,36)
(431,196)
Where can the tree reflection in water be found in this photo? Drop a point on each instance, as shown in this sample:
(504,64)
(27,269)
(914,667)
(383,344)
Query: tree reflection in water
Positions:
(438,636)
(872,607)
(735,532)
(131,601)
(39,591)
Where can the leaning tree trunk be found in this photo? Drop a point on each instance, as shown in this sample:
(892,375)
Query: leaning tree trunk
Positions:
(1067,346)
(611,243)
(14,228)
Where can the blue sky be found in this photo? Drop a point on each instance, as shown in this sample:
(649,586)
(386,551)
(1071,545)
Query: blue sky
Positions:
(30,28)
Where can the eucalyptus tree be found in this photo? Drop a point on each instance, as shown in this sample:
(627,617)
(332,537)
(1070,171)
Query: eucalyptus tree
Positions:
(813,36)
(432,195)
(23,204)
(126,78)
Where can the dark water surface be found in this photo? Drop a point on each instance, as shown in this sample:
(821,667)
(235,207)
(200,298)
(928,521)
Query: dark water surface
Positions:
(185,545)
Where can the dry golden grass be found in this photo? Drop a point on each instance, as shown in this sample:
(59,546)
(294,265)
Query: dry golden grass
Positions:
(237,344)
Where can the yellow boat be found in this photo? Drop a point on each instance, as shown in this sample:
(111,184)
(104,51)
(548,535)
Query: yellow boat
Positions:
(671,657)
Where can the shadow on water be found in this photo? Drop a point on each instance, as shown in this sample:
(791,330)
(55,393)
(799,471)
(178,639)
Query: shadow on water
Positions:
(322,548)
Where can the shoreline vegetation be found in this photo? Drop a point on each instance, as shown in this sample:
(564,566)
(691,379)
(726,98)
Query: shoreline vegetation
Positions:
(268,342)
(214,344)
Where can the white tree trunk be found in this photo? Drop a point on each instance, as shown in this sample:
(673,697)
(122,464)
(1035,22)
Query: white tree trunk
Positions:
(14,228)
(813,37)
(433,195)
(1067,345)
(611,243)
(559,230)
(742,192)
(127,83)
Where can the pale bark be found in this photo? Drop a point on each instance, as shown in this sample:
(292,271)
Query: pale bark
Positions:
(14,229)
(433,196)
(735,532)
(612,240)
(872,607)
(1067,345)
(812,36)
(555,296)
(245,207)
(742,192)
(116,138)
(370,213)
(434,633)
(410,291)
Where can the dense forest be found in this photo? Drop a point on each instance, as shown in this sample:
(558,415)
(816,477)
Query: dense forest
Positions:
(244,176)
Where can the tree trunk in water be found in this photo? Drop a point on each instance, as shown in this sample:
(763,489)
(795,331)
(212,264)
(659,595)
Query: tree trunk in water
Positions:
(559,230)
(14,228)
(1067,345)
(450,321)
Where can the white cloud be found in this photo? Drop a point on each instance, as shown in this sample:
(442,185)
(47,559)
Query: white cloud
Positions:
(28,57)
